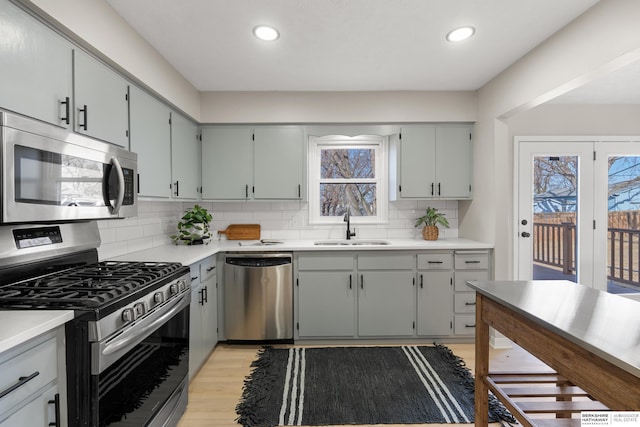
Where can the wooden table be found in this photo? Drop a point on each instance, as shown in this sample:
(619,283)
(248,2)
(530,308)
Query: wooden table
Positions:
(589,337)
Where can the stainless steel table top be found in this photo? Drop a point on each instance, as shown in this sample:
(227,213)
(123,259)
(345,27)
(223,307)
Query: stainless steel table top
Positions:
(607,325)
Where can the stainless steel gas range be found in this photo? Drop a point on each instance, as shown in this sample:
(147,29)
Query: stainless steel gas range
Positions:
(127,349)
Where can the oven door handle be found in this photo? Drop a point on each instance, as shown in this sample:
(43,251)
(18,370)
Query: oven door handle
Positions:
(120,198)
(142,332)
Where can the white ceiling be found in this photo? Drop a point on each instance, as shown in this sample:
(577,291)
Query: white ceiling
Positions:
(344,45)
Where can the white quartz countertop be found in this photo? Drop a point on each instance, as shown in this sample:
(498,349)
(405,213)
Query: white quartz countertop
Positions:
(190,254)
(19,326)
(605,324)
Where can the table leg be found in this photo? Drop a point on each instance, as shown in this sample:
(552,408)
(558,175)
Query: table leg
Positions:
(482,367)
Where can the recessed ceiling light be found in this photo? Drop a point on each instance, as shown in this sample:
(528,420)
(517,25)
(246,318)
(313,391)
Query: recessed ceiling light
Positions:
(460,34)
(266,33)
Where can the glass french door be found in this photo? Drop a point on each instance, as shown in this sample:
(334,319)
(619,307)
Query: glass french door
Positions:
(578,213)
(555,211)
(617,208)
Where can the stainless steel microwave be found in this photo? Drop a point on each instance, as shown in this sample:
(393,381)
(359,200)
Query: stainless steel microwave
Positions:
(50,174)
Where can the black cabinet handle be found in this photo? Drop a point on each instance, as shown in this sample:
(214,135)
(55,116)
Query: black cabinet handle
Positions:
(201,300)
(66,104)
(469,303)
(350,282)
(246,191)
(432,188)
(421,281)
(361,281)
(21,381)
(299,191)
(177,188)
(84,114)
(211,268)
(470,326)
(194,278)
(205,295)
(438,189)
(472,262)
(56,403)
(435,262)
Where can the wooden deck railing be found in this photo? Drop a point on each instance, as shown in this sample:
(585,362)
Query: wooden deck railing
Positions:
(555,245)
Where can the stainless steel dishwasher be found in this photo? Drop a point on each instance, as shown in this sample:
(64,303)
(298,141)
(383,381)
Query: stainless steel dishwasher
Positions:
(258,297)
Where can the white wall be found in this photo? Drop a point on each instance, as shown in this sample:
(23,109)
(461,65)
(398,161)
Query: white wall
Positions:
(98,24)
(338,107)
(601,40)
(156,221)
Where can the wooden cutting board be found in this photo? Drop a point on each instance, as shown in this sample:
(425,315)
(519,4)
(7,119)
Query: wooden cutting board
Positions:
(242,232)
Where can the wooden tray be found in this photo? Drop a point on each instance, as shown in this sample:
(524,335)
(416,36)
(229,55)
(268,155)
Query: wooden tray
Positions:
(242,232)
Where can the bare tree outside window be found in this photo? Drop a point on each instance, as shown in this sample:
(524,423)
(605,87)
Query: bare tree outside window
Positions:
(347,180)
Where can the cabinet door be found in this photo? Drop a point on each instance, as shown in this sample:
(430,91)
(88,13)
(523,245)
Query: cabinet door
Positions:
(101,100)
(386,301)
(38,412)
(210,307)
(185,158)
(151,140)
(417,162)
(435,303)
(195,324)
(453,154)
(278,154)
(227,163)
(36,68)
(326,304)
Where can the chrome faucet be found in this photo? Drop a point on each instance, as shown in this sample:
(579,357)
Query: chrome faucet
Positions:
(347,219)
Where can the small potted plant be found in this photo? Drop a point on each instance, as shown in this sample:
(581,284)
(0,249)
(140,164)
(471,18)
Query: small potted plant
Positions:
(431,220)
(193,227)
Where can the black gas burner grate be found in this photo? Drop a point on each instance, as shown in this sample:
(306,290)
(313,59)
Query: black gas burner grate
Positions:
(89,286)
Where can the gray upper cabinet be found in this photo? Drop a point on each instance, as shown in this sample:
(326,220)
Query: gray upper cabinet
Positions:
(278,154)
(185,158)
(227,163)
(431,162)
(101,100)
(36,68)
(265,163)
(151,140)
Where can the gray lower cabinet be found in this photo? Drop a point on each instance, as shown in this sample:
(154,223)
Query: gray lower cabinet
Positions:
(203,321)
(32,403)
(435,294)
(386,295)
(36,68)
(326,295)
(469,265)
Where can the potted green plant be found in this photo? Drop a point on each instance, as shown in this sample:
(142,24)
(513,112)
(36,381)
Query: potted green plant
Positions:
(193,227)
(431,219)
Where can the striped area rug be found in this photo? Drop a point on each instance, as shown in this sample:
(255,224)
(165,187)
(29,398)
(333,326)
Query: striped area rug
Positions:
(359,385)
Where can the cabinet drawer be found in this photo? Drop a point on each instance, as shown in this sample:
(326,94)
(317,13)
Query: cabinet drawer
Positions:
(207,269)
(326,262)
(461,278)
(464,302)
(435,261)
(471,260)
(39,362)
(465,324)
(388,261)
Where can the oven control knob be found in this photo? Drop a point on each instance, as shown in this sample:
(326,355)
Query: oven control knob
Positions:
(158,297)
(182,284)
(139,309)
(173,289)
(128,315)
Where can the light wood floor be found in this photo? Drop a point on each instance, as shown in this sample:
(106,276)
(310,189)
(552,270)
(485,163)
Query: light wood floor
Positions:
(216,389)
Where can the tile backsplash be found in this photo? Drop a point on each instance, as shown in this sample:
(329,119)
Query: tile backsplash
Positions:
(157,220)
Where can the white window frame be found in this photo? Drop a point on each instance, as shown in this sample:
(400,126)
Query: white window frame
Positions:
(380,144)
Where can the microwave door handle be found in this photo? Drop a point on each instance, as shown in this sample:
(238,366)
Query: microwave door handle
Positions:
(120,198)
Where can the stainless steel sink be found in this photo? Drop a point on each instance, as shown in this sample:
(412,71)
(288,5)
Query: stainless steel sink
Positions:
(351,243)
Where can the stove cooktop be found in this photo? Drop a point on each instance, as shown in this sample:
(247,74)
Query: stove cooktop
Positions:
(87,287)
